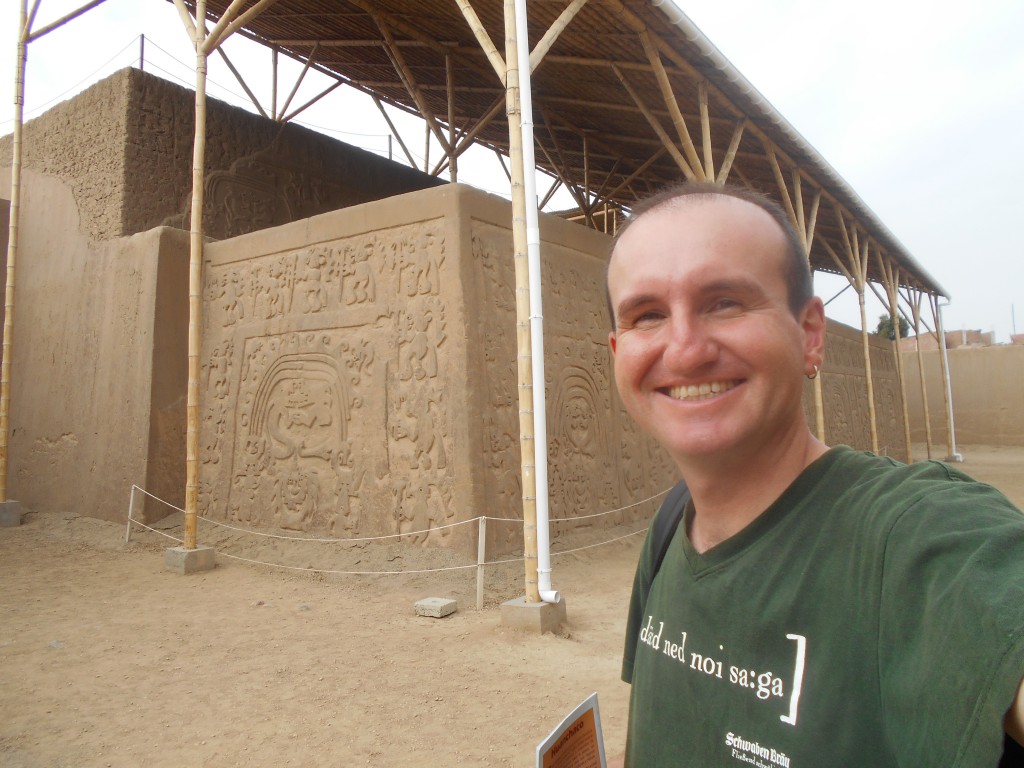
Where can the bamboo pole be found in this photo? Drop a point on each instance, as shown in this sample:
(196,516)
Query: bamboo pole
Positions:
(947,393)
(730,154)
(915,309)
(705,130)
(241,82)
(483,39)
(299,110)
(452,161)
(12,242)
(214,40)
(554,31)
(411,86)
(61,21)
(891,284)
(299,79)
(273,82)
(523,341)
(394,131)
(669,97)
(869,380)
(781,182)
(195,286)
(666,141)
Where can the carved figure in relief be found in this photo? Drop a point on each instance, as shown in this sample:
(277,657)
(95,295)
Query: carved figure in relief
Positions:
(415,420)
(417,352)
(417,269)
(298,498)
(299,423)
(413,511)
(213,432)
(235,310)
(311,286)
(219,370)
(357,285)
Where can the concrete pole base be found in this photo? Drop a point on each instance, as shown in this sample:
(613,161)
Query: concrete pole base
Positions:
(533,617)
(10,513)
(184,561)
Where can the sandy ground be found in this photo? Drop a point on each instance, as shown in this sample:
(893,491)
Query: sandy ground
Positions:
(107,659)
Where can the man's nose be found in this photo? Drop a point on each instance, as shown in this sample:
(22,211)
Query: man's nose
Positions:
(689,345)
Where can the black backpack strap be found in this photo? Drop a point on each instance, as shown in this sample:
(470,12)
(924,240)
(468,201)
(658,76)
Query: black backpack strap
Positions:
(666,520)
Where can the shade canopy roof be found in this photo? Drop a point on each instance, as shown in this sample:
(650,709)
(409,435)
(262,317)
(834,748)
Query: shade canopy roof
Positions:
(628,96)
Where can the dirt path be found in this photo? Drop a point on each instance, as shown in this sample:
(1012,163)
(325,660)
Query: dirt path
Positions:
(106,659)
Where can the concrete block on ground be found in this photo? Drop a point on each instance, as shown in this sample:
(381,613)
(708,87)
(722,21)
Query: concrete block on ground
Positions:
(436,607)
(185,561)
(10,513)
(533,617)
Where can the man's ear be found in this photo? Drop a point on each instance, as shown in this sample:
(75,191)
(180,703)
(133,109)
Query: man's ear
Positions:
(611,342)
(812,322)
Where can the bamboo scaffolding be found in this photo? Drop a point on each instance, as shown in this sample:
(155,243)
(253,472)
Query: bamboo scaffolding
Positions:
(555,186)
(666,142)
(483,38)
(643,167)
(452,157)
(947,390)
(298,81)
(705,130)
(554,31)
(527,445)
(858,260)
(398,60)
(394,131)
(59,22)
(891,284)
(273,82)
(24,27)
(195,287)
(669,97)
(915,308)
(299,110)
(241,82)
(222,33)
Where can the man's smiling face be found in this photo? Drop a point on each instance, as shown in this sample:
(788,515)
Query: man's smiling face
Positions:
(709,358)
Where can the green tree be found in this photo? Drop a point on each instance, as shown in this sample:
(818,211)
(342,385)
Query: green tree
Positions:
(885,328)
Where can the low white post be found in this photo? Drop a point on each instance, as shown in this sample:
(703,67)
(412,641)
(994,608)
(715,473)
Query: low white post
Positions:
(481,557)
(131,508)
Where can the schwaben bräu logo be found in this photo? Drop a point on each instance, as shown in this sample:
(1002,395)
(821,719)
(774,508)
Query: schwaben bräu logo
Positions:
(754,753)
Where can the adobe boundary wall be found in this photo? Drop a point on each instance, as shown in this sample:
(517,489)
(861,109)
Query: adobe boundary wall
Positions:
(988,397)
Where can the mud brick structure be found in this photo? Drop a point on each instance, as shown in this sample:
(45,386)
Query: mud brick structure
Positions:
(359,335)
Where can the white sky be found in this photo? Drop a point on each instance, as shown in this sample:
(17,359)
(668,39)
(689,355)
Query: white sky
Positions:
(918,105)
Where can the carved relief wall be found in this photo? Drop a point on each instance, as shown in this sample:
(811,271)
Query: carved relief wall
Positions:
(844,391)
(597,459)
(326,400)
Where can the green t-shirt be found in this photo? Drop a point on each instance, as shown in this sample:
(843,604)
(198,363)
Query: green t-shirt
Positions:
(872,616)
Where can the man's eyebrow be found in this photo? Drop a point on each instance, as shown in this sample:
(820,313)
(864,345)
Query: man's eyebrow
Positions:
(632,302)
(732,284)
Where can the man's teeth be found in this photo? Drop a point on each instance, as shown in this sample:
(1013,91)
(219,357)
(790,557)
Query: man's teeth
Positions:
(701,391)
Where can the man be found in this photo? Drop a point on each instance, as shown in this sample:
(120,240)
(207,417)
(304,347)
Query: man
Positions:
(816,607)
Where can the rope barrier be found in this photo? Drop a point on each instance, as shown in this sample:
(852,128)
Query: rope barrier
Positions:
(479,565)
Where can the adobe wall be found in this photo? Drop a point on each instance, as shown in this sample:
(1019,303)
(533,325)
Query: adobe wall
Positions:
(988,399)
(359,375)
(92,371)
(124,146)
(844,392)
